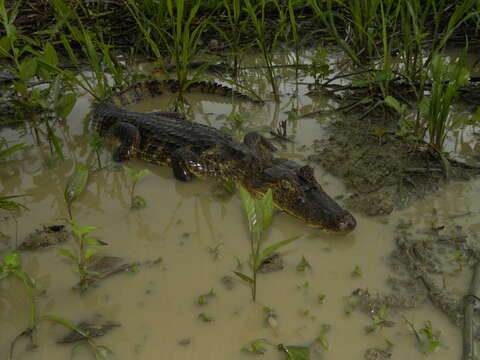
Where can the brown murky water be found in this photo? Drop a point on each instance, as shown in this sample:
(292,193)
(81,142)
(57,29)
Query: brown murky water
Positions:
(201,238)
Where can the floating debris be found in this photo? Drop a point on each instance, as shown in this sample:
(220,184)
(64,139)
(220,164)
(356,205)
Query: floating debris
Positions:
(272,262)
(93,328)
(49,235)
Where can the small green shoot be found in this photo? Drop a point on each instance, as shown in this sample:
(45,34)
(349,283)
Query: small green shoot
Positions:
(350,304)
(256,347)
(11,265)
(294,352)
(205,298)
(322,337)
(215,251)
(321,298)
(87,247)
(379,320)
(206,317)
(136,201)
(428,339)
(357,271)
(304,265)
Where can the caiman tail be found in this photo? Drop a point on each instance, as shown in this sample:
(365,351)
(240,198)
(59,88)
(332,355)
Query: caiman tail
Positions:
(154,88)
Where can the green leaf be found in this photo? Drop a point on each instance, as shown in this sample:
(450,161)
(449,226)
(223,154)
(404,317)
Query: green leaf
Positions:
(5,46)
(248,203)
(267,251)
(90,252)
(294,352)
(68,254)
(244,277)
(12,259)
(27,69)
(25,278)
(265,209)
(9,205)
(76,183)
(424,106)
(50,55)
(142,173)
(138,202)
(65,104)
(393,103)
(66,323)
(95,242)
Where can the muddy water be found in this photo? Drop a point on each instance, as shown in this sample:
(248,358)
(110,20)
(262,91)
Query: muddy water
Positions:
(201,237)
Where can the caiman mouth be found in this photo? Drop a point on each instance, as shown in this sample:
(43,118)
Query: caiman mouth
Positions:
(342,226)
(317,209)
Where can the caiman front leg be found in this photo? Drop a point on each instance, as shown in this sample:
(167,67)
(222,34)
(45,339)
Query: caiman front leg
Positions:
(129,138)
(186,164)
(258,142)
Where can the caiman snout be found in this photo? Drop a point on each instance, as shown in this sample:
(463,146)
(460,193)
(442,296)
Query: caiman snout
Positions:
(346,224)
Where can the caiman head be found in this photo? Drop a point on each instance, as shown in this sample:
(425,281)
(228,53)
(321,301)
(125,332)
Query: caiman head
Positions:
(296,191)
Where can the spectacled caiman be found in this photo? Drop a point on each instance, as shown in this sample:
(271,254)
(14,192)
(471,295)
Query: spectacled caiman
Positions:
(193,149)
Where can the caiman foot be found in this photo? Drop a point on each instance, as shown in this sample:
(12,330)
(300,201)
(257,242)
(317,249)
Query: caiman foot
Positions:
(129,138)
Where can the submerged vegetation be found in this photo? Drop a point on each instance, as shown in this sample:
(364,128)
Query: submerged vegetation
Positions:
(396,65)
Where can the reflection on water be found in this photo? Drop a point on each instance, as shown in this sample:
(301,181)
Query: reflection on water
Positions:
(201,238)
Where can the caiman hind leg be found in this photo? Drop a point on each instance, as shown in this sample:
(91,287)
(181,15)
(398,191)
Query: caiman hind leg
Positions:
(186,164)
(258,142)
(129,138)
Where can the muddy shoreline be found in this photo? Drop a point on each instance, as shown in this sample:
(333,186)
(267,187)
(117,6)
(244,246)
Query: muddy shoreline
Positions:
(383,170)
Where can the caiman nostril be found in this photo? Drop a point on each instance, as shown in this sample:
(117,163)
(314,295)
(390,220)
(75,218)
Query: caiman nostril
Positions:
(348,224)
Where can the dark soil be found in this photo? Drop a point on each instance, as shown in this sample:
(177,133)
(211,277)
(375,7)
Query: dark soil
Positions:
(383,170)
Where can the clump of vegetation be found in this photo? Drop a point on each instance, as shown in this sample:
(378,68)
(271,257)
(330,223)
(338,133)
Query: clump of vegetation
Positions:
(7,202)
(447,79)
(428,339)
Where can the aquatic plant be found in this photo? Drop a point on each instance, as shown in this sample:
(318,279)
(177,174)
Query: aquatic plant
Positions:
(265,43)
(101,63)
(136,201)
(7,202)
(447,78)
(86,248)
(179,33)
(428,339)
(259,213)
(11,265)
(233,36)
(28,60)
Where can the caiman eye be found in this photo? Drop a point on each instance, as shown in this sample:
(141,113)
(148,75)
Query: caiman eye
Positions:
(285,184)
(307,173)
